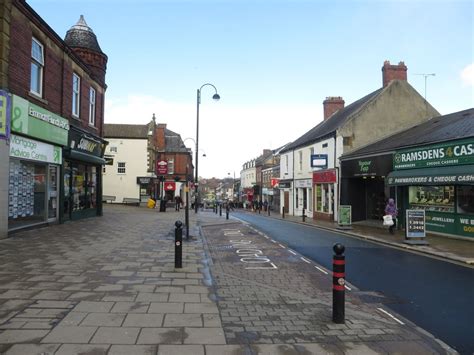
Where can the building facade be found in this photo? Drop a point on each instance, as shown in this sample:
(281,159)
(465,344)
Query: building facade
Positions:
(52,94)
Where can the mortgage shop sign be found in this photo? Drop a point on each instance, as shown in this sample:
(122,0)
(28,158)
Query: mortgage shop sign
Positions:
(30,149)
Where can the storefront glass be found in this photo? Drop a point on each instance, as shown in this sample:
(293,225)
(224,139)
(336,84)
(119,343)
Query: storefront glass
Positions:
(324,198)
(465,199)
(80,189)
(32,196)
(432,198)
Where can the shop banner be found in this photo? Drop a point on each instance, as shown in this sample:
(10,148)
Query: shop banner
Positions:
(5,107)
(34,121)
(459,152)
(379,165)
(30,149)
(345,215)
(448,223)
(415,224)
(303,184)
(325,176)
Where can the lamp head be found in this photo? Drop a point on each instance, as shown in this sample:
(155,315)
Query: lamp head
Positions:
(216,97)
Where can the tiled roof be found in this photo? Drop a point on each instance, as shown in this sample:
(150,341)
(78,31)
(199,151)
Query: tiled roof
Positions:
(81,35)
(112,130)
(331,124)
(456,125)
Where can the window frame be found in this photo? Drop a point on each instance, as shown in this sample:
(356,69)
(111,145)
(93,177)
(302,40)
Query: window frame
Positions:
(76,95)
(121,168)
(40,65)
(92,106)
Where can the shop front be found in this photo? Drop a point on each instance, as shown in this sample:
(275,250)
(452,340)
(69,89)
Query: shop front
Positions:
(438,179)
(325,191)
(148,187)
(34,168)
(304,197)
(363,185)
(82,175)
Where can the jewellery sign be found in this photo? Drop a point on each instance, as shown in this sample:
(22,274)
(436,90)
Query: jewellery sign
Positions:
(34,121)
(453,153)
(30,149)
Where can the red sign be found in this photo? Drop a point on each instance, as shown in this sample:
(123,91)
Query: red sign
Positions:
(170,186)
(161,167)
(275,182)
(324,176)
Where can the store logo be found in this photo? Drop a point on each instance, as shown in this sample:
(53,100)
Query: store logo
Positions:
(364,166)
(87,145)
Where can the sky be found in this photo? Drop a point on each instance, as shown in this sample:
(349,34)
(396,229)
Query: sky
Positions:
(273,62)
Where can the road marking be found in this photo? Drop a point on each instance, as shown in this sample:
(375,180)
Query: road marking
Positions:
(348,288)
(324,272)
(388,314)
(282,246)
(273,241)
(291,251)
(305,260)
(250,255)
(266,236)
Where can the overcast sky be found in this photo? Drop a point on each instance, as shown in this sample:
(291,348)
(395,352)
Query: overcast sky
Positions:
(273,62)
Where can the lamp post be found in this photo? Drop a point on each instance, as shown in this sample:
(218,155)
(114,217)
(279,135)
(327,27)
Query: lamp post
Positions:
(196,181)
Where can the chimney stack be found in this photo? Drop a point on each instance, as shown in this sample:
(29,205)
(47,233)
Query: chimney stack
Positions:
(331,105)
(393,72)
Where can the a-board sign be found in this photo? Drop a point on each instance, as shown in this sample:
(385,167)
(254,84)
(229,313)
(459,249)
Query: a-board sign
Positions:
(415,225)
(345,215)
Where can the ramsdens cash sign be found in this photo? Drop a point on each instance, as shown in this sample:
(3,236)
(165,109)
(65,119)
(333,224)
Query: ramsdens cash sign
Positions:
(453,153)
(30,149)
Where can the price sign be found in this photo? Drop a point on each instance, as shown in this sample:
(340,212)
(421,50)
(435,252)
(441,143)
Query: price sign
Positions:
(416,227)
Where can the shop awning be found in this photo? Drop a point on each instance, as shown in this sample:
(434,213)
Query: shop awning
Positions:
(447,175)
(73,154)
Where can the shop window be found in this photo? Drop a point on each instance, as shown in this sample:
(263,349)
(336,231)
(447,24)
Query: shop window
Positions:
(432,198)
(465,199)
(120,168)
(92,106)
(324,198)
(76,92)
(37,64)
(310,199)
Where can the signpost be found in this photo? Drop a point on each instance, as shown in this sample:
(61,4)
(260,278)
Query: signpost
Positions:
(345,217)
(415,230)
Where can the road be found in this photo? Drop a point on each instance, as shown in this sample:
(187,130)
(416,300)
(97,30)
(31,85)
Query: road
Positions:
(434,294)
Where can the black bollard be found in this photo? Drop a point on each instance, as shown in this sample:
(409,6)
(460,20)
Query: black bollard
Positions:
(227,211)
(283,212)
(220,210)
(338,282)
(304,215)
(178,245)
(268,209)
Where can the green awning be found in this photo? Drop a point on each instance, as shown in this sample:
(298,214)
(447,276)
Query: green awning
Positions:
(447,175)
(74,154)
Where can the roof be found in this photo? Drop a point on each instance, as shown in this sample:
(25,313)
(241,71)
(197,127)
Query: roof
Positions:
(112,130)
(456,125)
(332,123)
(81,35)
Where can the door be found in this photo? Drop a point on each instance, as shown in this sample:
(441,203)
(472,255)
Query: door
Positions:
(53,193)
(287,201)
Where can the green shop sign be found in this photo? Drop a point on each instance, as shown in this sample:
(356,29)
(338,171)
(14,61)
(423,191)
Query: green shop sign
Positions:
(34,121)
(455,224)
(453,153)
(30,149)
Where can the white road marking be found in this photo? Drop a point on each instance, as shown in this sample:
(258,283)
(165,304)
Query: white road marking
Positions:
(273,241)
(291,251)
(388,314)
(348,288)
(324,272)
(305,260)
(282,246)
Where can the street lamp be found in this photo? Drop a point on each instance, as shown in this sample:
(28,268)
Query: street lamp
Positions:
(215,97)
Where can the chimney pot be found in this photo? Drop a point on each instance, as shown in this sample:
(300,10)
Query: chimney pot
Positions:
(331,105)
(393,72)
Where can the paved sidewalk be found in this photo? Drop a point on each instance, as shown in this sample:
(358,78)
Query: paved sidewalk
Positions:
(457,250)
(108,286)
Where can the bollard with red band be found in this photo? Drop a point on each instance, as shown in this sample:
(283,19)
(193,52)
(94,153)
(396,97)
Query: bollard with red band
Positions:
(338,282)
(178,245)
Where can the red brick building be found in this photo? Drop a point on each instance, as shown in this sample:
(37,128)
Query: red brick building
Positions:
(53,100)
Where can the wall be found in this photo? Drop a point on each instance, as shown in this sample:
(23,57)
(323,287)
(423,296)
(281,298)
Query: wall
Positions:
(398,107)
(134,153)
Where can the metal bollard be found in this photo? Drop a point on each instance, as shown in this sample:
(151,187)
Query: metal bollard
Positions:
(268,209)
(216,208)
(178,245)
(220,210)
(304,216)
(338,282)
(283,212)
(227,212)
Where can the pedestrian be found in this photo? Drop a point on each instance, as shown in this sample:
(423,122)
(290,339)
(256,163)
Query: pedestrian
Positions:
(391,209)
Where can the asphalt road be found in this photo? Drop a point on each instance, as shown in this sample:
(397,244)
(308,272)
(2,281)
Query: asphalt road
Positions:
(436,295)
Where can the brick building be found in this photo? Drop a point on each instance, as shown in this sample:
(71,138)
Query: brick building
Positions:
(51,121)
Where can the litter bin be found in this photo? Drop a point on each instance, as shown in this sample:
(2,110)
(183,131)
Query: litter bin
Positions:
(162,205)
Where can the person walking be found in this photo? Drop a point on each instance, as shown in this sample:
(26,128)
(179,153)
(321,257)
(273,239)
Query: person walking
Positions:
(391,209)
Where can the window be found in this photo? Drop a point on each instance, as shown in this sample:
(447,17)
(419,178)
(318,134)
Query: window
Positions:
(170,166)
(120,168)
(465,199)
(300,157)
(113,149)
(92,107)
(432,198)
(76,92)
(37,64)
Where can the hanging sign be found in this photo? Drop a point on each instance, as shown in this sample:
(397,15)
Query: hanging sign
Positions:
(162,167)
(170,186)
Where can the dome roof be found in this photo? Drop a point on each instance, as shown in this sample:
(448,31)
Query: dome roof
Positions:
(81,35)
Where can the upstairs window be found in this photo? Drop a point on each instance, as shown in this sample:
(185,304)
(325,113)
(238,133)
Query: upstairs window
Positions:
(170,166)
(120,168)
(113,149)
(92,107)
(76,93)
(37,64)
